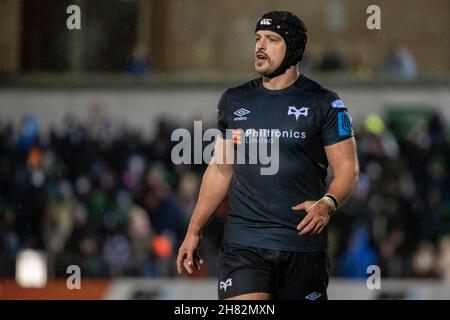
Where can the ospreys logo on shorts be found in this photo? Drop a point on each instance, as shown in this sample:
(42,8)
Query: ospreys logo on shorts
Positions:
(225,284)
(344,124)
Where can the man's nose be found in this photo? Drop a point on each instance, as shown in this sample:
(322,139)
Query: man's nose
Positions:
(260,45)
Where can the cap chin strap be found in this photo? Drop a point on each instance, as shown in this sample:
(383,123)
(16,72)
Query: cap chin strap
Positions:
(279,71)
(286,64)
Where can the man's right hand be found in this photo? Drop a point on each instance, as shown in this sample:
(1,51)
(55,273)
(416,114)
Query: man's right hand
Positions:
(188,256)
(213,190)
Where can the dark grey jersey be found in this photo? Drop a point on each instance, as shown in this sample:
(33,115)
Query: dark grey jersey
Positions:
(304,118)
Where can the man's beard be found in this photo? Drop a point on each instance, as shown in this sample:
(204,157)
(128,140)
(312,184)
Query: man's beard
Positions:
(267,72)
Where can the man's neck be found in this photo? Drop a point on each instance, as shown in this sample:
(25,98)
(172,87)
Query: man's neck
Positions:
(282,81)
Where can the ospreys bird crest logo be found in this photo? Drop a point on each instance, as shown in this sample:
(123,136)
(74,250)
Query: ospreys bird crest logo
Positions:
(292,110)
(225,284)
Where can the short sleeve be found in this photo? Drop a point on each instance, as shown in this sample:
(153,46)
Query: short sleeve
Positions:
(336,122)
(222,123)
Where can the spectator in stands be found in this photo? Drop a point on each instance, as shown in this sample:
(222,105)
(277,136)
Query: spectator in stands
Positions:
(423,264)
(332,60)
(140,233)
(443,259)
(399,63)
(358,257)
(9,241)
(140,63)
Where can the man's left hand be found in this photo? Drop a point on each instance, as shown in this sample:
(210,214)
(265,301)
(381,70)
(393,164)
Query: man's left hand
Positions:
(318,215)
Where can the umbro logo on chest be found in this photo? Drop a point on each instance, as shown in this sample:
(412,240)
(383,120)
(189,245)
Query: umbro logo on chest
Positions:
(241,113)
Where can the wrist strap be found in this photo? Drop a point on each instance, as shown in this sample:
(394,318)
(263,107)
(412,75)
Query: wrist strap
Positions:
(333,198)
(329,203)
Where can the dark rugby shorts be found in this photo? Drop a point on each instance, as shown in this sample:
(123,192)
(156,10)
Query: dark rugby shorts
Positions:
(284,275)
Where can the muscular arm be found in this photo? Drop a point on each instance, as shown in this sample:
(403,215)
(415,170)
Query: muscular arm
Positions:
(344,163)
(214,187)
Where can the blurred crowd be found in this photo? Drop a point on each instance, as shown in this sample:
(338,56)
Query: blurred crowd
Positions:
(398,63)
(399,215)
(101,195)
